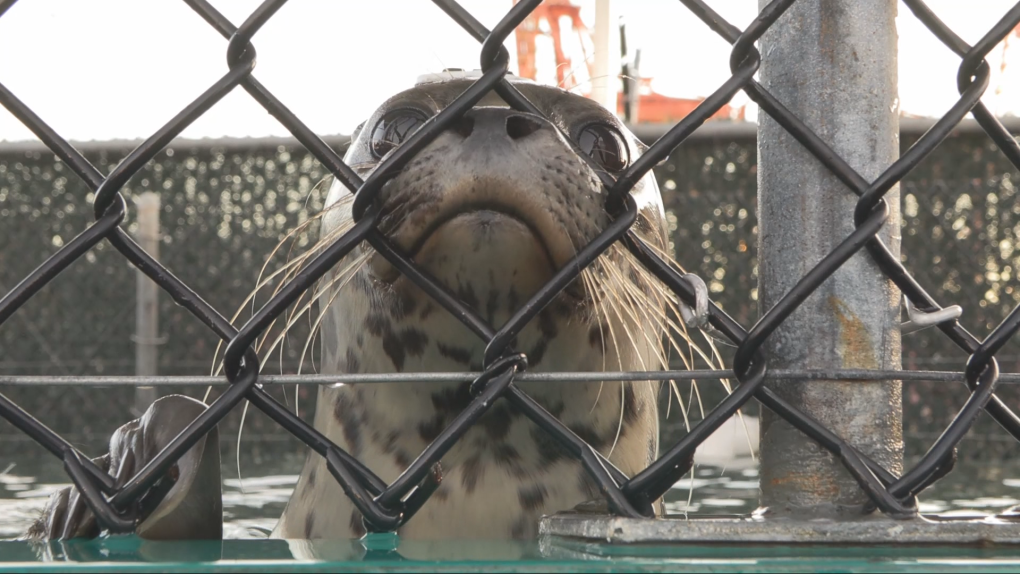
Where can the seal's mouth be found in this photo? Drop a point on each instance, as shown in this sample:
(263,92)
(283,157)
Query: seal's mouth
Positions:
(483,236)
(483,212)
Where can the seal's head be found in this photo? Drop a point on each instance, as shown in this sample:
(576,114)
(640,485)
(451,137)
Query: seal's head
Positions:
(501,200)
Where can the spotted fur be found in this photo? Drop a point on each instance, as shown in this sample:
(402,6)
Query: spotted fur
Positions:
(491,217)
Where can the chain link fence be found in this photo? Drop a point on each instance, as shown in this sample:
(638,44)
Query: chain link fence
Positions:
(81,325)
(118,506)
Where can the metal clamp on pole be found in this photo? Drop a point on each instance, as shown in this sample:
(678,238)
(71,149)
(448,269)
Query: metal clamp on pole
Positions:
(696,318)
(919,320)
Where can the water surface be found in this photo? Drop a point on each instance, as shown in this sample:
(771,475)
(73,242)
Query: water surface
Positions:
(252,504)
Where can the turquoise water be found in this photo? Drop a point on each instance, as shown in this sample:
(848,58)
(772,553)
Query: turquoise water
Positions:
(129,553)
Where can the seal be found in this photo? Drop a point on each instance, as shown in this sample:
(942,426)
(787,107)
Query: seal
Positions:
(491,209)
(193,507)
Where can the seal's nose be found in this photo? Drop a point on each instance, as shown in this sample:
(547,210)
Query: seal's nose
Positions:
(490,122)
(464,126)
(520,126)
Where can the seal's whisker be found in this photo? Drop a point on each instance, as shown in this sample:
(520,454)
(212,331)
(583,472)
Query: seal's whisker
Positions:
(260,342)
(621,295)
(652,312)
(315,369)
(671,304)
(343,278)
(650,306)
(216,367)
(599,297)
(713,359)
(639,300)
(669,326)
(293,265)
(237,449)
(671,332)
(287,270)
(302,306)
(281,277)
(618,300)
(611,298)
(596,298)
(689,362)
(619,424)
(294,236)
(592,79)
(290,269)
(291,321)
(665,327)
(365,165)
(663,296)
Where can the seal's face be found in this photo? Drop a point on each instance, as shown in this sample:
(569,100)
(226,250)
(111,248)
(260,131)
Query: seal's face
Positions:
(503,197)
(491,209)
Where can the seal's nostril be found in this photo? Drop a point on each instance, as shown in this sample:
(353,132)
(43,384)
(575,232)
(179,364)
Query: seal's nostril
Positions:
(518,127)
(464,126)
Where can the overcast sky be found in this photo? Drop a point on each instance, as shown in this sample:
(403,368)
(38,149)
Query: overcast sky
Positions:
(105,69)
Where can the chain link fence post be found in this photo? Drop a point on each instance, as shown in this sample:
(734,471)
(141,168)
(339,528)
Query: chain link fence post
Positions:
(833,64)
(147,302)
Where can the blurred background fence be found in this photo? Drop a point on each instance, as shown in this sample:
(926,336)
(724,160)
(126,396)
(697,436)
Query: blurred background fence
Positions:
(226,204)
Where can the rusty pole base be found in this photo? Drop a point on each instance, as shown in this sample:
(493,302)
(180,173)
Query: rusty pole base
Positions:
(569,530)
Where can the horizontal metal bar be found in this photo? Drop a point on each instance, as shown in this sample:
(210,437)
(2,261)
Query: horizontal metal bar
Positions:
(563,377)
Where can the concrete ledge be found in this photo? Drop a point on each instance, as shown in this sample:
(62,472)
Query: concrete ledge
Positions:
(611,530)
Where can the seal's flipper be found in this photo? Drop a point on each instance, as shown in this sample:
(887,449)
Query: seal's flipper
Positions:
(191,510)
(65,516)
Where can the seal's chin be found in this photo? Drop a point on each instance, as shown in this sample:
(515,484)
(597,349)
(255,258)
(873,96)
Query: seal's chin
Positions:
(482,226)
(481,251)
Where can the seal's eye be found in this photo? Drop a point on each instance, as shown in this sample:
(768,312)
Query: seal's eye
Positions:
(605,145)
(395,127)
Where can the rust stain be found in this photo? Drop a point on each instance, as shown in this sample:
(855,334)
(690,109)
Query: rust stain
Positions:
(854,343)
(822,486)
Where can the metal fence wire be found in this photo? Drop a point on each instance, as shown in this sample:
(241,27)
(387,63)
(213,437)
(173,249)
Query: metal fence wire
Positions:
(385,507)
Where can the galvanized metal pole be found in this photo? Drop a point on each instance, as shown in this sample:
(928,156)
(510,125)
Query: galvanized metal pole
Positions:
(147,302)
(833,63)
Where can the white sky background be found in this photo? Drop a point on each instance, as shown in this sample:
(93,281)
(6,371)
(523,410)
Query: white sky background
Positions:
(115,69)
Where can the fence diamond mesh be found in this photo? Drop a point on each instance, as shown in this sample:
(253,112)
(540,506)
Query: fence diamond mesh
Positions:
(119,505)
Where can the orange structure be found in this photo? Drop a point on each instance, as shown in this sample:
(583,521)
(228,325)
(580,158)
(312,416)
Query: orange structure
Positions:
(550,12)
(652,107)
(656,108)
